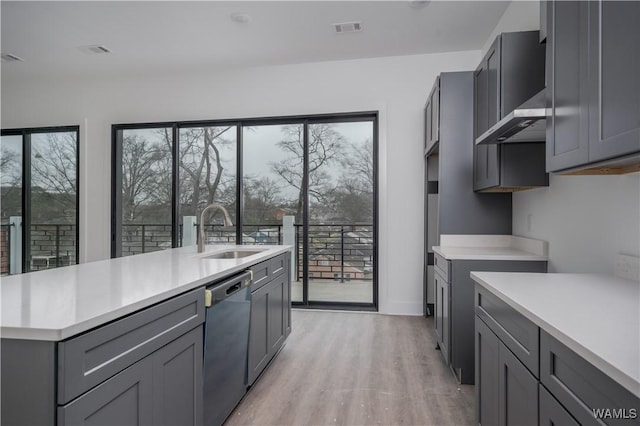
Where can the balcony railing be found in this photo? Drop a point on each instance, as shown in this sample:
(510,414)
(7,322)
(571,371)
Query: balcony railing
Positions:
(50,246)
(338,252)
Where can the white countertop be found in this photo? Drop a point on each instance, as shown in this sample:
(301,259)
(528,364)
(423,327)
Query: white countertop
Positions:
(59,303)
(597,316)
(491,247)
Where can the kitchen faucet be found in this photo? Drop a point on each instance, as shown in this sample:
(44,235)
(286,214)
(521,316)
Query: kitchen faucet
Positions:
(227,222)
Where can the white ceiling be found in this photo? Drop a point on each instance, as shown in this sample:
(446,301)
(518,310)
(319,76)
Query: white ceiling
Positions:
(161,36)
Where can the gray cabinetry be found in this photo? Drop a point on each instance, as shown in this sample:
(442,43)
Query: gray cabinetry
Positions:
(518,395)
(551,412)
(461,315)
(580,387)
(432,117)
(145,368)
(125,399)
(164,388)
(270,315)
(442,320)
(593,90)
(511,72)
(526,376)
(506,391)
(451,205)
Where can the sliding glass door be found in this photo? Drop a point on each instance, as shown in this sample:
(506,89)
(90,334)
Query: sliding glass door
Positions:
(273,170)
(340,254)
(308,182)
(39,213)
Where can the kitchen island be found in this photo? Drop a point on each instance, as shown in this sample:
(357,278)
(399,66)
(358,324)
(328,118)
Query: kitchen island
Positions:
(120,338)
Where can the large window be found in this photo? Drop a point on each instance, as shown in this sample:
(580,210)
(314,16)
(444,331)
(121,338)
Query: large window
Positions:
(305,181)
(39,206)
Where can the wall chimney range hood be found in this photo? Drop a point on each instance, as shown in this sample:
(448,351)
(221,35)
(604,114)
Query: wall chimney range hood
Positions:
(527,123)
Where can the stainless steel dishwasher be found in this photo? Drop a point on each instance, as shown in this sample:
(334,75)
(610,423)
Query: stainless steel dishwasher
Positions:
(226,341)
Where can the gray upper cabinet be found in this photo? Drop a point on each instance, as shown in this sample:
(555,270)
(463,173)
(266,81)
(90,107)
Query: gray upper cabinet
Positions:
(614,64)
(567,126)
(432,117)
(511,72)
(593,93)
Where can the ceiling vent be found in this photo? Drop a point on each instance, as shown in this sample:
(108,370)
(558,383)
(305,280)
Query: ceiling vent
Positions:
(347,27)
(10,57)
(98,49)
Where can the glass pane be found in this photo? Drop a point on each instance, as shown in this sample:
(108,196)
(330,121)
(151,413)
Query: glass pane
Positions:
(272,178)
(208,175)
(146,190)
(341,181)
(10,203)
(53,233)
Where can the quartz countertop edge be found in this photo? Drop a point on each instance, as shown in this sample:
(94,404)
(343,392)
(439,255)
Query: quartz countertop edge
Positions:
(57,304)
(491,247)
(495,283)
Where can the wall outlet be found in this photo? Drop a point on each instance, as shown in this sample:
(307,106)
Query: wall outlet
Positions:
(627,267)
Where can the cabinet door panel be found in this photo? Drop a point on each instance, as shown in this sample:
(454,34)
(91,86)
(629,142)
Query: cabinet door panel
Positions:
(494,112)
(258,332)
(435,113)
(276,314)
(518,391)
(428,125)
(125,399)
(487,347)
(567,126)
(177,381)
(615,88)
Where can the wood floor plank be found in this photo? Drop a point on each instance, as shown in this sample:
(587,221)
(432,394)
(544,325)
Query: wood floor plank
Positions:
(345,368)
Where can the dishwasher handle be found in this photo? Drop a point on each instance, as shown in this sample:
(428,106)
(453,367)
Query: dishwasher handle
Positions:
(216,293)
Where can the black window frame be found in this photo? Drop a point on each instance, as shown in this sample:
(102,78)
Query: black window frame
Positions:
(305,120)
(25,133)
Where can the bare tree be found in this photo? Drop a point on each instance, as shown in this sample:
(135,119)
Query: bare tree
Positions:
(262,197)
(203,178)
(142,173)
(54,177)
(325,147)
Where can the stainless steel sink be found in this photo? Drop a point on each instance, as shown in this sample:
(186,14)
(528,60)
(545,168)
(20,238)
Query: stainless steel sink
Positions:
(233,254)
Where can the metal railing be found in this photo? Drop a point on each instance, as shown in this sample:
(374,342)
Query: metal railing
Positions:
(338,252)
(50,246)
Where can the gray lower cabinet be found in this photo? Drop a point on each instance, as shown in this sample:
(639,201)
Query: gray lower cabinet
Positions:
(441,322)
(456,305)
(593,90)
(524,376)
(125,399)
(164,388)
(270,318)
(551,412)
(145,368)
(507,393)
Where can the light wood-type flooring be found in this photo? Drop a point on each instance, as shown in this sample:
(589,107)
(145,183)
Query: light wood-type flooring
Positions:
(342,368)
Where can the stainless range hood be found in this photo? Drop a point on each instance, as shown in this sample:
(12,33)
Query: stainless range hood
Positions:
(524,124)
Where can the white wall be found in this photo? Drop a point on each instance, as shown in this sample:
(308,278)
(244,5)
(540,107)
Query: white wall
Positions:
(585,219)
(395,86)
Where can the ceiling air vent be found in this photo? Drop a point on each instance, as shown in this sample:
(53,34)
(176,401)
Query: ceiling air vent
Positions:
(10,57)
(347,27)
(95,49)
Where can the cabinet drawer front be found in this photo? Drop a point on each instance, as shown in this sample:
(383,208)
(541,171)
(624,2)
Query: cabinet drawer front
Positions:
(125,399)
(581,387)
(91,358)
(516,332)
(263,272)
(442,266)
